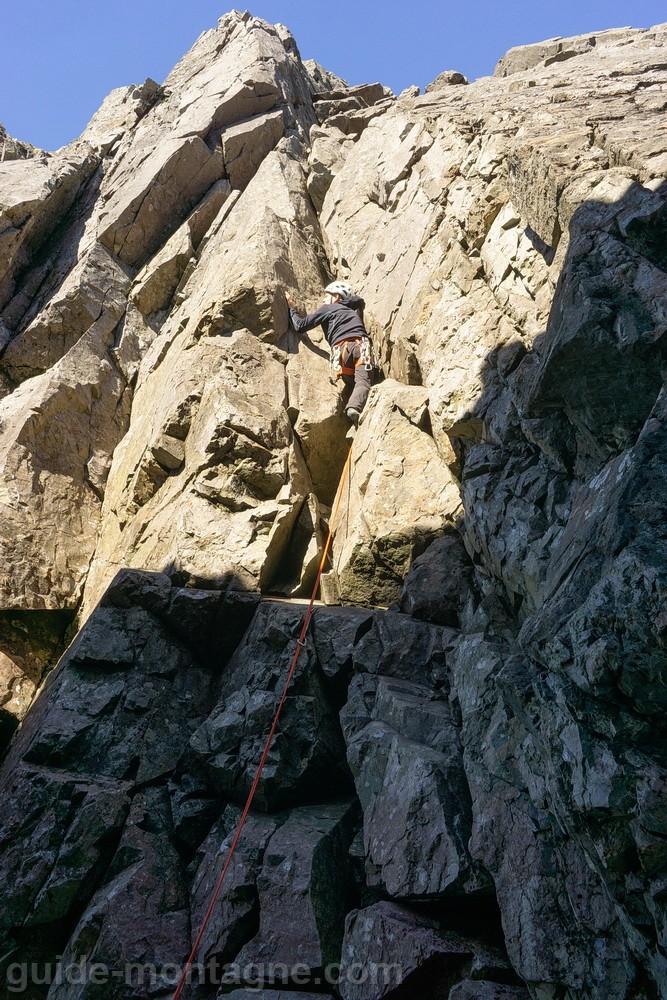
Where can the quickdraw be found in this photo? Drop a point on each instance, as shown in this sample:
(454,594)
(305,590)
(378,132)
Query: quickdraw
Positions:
(368,359)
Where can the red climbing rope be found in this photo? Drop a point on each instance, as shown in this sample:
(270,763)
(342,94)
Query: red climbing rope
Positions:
(272,731)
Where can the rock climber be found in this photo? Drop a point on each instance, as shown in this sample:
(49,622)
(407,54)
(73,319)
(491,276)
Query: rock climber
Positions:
(352,357)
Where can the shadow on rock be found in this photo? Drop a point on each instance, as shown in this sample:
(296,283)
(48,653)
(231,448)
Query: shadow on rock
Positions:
(560,667)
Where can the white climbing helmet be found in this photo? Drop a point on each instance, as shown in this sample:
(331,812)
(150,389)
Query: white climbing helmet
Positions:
(343,288)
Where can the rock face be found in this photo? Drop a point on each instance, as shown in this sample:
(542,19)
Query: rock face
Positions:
(13,149)
(405,755)
(30,642)
(401,496)
(467,794)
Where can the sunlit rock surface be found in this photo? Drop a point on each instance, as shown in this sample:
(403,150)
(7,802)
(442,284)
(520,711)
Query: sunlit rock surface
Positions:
(468,788)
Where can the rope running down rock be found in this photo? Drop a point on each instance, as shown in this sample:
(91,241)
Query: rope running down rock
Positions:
(274,725)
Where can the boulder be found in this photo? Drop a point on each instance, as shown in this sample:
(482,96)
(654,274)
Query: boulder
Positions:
(387,946)
(448,78)
(396,645)
(30,643)
(121,671)
(304,861)
(245,145)
(64,822)
(399,498)
(308,750)
(404,752)
(438,583)
(322,79)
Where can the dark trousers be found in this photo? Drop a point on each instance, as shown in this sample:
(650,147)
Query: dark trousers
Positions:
(357,386)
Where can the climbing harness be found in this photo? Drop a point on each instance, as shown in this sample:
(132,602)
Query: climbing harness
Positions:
(300,642)
(340,354)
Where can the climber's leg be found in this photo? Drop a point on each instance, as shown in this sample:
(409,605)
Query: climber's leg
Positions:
(362,381)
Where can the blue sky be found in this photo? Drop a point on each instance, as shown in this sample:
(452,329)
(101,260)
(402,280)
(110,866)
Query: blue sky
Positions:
(60,58)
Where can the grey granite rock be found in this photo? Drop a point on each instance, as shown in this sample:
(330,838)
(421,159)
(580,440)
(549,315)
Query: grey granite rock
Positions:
(390,950)
(403,748)
(308,753)
(305,862)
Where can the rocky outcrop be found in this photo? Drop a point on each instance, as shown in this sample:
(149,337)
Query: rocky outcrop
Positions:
(13,149)
(401,496)
(36,194)
(466,794)
(422,956)
(57,436)
(30,642)
(449,78)
(404,752)
(131,833)
(556,50)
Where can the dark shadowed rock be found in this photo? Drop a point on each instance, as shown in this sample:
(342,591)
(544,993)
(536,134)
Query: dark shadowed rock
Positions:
(570,783)
(308,753)
(336,633)
(72,780)
(30,642)
(388,950)
(305,862)
(438,583)
(401,647)
(275,995)
(472,989)
(235,918)
(404,751)
(601,621)
(122,673)
(619,332)
(67,825)
(138,923)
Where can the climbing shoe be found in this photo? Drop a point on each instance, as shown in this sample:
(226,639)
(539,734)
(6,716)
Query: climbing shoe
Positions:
(353,415)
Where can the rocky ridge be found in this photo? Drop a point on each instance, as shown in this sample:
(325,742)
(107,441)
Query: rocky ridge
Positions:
(471,762)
